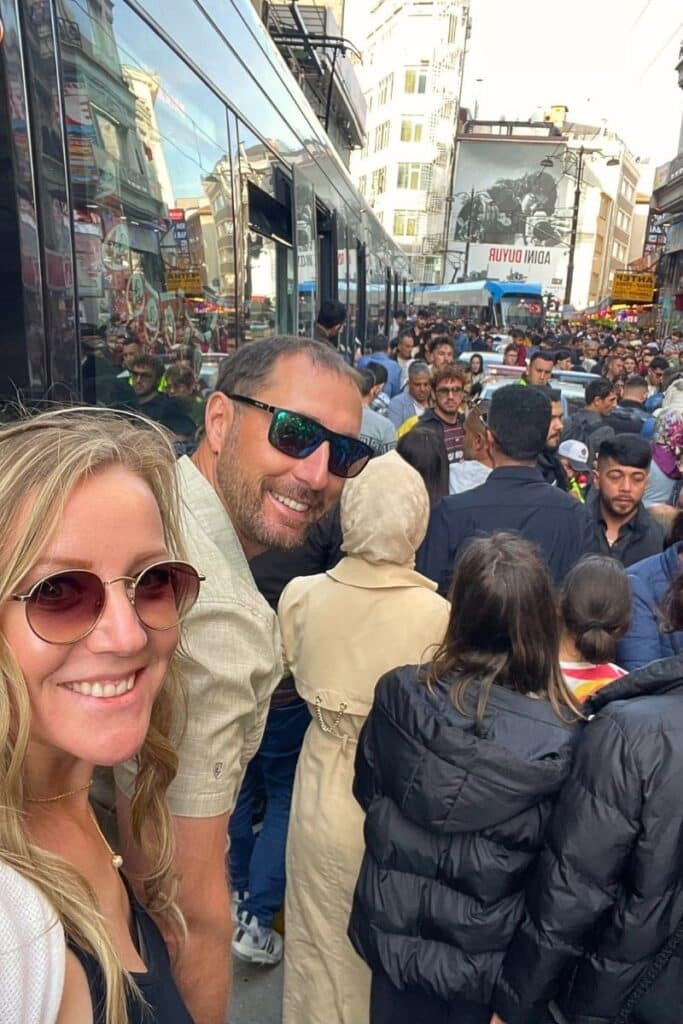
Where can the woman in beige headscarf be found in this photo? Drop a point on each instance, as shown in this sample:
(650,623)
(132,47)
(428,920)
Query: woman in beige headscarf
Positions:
(341,631)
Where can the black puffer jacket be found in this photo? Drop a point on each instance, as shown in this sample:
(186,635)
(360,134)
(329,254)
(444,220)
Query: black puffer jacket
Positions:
(453,822)
(608,891)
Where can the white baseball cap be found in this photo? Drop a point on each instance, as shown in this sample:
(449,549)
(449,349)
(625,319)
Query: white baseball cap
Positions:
(576,453)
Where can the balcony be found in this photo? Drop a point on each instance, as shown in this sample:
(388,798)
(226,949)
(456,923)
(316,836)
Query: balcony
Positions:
(308,38)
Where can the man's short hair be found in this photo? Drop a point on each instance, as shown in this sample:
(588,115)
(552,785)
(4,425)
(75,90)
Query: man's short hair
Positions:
(252,365)
(547,356)
(150,363)
(598,389)
(635,383)
(439,339)
(332,313)
(450,371)
(366,381)
(626,450)
(405,332)
(379,372)
(659,363)
(179,376)
(380,343)
(519,418)
(562,353)
(555,394)
(417,367)
(399,312)
(423,312)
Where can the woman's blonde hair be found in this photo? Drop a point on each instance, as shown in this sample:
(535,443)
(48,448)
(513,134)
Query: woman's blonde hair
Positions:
(42,459)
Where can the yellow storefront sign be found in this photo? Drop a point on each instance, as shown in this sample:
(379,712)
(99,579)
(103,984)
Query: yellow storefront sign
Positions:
(187,281)
(630,287)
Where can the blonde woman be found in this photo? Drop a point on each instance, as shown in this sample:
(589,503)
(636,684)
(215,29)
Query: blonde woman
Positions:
(341,631)
(91,594)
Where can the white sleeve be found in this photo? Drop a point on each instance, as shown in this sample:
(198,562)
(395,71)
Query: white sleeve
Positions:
(32,953)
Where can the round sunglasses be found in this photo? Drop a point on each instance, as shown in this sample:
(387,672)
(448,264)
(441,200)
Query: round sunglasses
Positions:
(65,607)
(299,436)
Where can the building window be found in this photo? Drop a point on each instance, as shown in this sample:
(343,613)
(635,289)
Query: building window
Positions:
(362,183)
(623,221)
(627,191)
(406,223)
(381,136)
(413,176)
(452,27)
(379,181)
(618,251)
(386,89)
(411,130)
(415,81)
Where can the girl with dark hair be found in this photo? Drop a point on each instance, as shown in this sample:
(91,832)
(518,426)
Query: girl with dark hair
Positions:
(603,930)
(458,767)
(426,452)
(595,612)
(477,368)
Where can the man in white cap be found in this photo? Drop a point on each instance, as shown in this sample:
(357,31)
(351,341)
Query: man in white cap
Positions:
(574,458)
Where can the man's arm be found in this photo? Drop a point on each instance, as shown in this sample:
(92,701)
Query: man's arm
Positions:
(436,554)
(201,967)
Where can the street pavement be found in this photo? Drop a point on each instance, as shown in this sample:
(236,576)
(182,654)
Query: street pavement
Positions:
(256,994)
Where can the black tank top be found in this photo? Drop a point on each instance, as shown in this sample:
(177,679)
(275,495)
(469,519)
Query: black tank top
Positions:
(164,1003)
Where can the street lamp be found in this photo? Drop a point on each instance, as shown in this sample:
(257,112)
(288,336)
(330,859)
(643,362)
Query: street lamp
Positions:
(548,161)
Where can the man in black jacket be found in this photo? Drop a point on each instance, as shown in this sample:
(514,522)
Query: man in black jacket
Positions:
(515,496)
(549,461)
(622,526)
(630,416)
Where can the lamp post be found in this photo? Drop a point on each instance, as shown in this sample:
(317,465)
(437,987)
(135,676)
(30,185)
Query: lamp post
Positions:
(549,162)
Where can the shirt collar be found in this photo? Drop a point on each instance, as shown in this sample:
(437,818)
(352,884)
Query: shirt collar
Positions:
(202,503)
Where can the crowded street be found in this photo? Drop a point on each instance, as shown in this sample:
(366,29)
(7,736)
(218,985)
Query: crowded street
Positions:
(341,512)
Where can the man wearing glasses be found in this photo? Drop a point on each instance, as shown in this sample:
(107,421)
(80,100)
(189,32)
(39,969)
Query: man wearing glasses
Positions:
(445,416)
(280,439)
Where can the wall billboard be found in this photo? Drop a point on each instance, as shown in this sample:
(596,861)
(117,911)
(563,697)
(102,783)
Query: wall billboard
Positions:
(511,217)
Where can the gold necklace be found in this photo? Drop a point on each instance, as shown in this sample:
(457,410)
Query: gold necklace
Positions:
(60,796)
(116,858)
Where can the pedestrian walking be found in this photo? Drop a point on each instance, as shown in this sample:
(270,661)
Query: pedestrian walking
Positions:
(341,631)
(458,766)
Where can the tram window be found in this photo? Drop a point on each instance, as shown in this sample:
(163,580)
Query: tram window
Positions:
(152,194)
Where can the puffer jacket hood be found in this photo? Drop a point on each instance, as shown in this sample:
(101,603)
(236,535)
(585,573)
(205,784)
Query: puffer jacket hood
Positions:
(660,677)
(454,818)
(422,731)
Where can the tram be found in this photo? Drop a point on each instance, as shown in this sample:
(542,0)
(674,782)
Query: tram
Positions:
(502,304)
(165,178)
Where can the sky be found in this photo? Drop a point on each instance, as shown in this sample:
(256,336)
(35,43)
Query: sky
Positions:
(611,59)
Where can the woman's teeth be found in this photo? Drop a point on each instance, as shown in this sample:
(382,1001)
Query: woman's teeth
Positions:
(103,689)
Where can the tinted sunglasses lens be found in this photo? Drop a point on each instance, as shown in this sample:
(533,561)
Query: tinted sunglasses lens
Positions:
(164,594)
(348,456)
(295,435)
(65,607)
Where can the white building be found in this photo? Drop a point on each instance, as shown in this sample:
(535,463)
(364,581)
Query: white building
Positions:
(411,76)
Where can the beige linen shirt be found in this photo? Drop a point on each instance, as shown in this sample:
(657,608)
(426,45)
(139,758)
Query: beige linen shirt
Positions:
(233,664)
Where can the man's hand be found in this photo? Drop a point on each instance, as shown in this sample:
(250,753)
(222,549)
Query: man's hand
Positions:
(201,967)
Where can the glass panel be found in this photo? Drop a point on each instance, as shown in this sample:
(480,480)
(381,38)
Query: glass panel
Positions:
(304,205)
(151,182)
(261,303)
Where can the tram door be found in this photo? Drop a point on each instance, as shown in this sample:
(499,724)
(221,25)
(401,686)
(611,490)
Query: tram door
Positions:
(327,254)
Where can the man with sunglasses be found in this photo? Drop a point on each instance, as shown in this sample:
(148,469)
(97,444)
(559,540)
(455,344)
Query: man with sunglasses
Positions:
(280,439)
(445,416)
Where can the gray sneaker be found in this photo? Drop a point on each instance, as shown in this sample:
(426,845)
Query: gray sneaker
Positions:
(254,943)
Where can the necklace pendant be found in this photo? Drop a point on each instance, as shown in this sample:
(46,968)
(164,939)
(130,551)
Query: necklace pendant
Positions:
(117,860)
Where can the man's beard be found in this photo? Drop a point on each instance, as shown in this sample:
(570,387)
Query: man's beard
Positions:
(244,502)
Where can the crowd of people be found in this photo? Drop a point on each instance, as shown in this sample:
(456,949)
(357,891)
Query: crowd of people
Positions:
(377,648)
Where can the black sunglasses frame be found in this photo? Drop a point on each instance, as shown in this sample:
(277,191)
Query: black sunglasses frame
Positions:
(364,450)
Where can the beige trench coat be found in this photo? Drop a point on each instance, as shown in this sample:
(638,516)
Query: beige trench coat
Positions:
(341,631)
